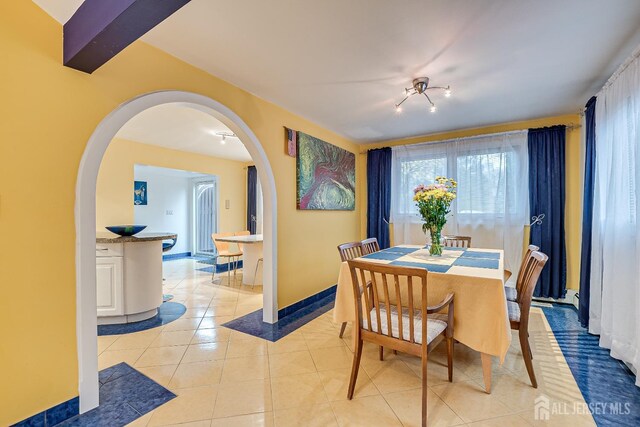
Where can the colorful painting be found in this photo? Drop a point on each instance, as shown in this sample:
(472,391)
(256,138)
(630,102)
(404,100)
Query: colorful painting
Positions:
(140,192)
(326,175)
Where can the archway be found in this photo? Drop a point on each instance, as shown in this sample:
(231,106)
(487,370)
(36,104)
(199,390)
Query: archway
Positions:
(85,217)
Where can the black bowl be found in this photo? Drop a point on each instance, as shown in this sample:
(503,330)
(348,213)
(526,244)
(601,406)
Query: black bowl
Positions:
(126,230)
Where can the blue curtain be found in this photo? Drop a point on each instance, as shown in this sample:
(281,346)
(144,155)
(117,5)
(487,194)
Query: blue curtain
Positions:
(379,194)
(587,210)
(252,208)
(546,196)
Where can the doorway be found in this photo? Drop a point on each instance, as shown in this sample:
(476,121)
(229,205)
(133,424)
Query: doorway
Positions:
(205,203)
(85,218)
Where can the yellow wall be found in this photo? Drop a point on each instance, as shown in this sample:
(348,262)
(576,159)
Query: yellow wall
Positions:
(573,175)
(114,203)
(48,114)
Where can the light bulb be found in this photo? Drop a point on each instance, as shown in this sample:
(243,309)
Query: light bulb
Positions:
(433,109)
(398,109)
(447,92)
(223,140)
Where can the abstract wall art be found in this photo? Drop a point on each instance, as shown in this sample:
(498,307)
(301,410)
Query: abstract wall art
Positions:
(139,192)
(326,175)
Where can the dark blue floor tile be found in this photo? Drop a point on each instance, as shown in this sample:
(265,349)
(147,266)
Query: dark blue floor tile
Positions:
(602,379)
(167,312)
(37,420)
(62,412)
(125,395)
(252,323)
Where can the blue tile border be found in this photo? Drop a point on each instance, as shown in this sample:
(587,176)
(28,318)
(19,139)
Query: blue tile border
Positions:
(283,312)
(125,395)
(54,415)
(167,313)
(181,255)
(289,318)
(252,323)
(600,378)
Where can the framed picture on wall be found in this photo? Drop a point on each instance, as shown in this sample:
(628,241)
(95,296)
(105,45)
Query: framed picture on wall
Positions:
(326,175)
(139,192)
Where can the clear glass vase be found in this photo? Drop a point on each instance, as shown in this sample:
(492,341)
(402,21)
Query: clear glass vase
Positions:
(436,241)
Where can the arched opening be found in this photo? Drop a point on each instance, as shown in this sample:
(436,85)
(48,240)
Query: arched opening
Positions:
(85,215)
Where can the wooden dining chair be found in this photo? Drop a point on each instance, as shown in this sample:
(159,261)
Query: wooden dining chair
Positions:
(398,324)
(370,246)
(519,310)
(224,251)
(349,251)
(512,292)
(457,241)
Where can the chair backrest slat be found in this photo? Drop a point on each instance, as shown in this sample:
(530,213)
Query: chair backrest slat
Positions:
(457,241)
(385,287)
(370,246)
(396,282)
(376,301)
(350,250)
(412,333)
(382,277)
(367,297)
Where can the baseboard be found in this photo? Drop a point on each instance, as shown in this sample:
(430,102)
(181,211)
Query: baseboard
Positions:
(572,298)
(54,415)
(306,301)
(180,255)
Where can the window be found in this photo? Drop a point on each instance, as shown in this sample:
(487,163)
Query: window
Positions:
(493,190)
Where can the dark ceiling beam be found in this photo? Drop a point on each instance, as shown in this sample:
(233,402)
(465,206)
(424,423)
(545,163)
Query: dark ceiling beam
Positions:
(100,29)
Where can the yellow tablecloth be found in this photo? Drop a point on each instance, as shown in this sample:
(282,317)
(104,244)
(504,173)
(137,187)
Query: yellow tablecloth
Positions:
(480,314)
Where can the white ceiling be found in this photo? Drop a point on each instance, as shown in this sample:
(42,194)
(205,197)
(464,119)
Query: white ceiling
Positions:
(343,64)
(181,127)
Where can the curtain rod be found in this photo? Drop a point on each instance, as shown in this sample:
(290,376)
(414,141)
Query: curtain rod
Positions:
(621,69)
(569,127)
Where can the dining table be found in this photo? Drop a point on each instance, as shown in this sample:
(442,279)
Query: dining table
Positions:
(251,253)
(476,278)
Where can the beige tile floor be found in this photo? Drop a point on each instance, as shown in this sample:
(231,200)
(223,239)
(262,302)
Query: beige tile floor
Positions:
(226,378)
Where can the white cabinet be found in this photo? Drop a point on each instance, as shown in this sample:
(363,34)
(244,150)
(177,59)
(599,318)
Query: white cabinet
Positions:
(109,281)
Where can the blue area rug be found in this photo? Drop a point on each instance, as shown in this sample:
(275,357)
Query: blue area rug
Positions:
(252,323)
(125,395)
(602,379)
(167,312)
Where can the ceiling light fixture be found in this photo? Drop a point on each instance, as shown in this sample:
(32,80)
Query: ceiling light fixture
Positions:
(420,87)
(225,135)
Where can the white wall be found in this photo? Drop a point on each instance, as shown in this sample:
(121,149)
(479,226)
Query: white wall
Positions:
(169,203)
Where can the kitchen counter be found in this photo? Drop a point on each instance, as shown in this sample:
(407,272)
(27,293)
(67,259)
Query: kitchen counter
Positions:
(140,237)
(129,276)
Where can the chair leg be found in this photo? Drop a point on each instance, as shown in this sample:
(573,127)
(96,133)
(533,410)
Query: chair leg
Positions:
(229,271)
(450,358)
(235,268)
(424,390)
(357,354)
(381,351)
(255,274)
(342,328)
(526,354)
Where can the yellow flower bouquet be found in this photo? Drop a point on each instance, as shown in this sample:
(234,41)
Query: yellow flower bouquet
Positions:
(434,203)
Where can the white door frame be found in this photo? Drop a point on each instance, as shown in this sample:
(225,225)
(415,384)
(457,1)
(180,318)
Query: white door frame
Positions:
(85,219)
